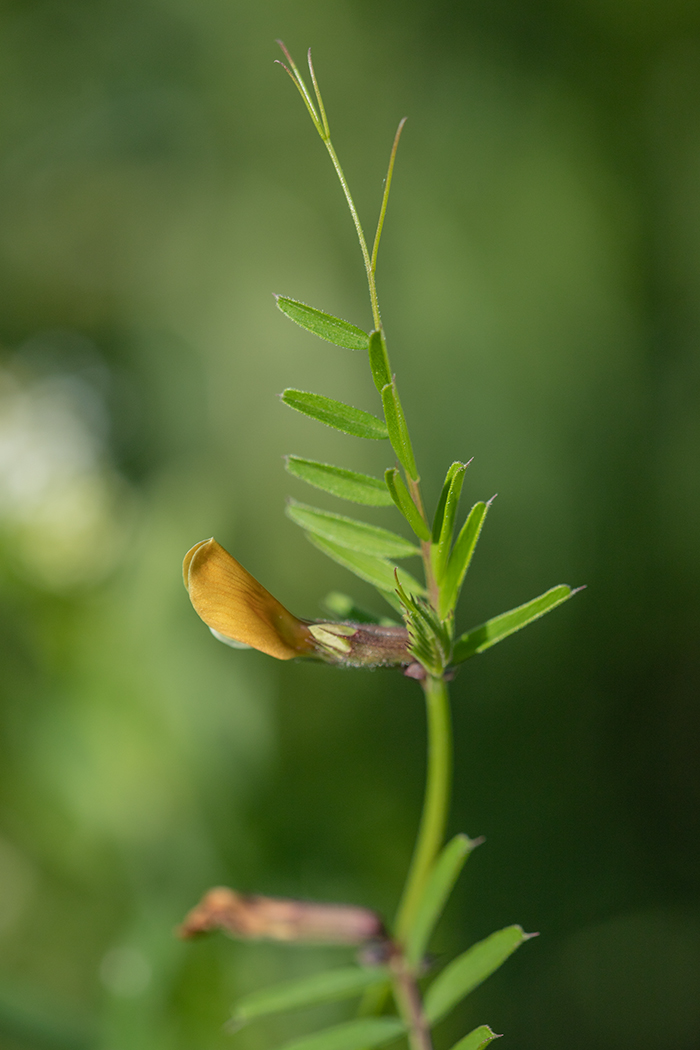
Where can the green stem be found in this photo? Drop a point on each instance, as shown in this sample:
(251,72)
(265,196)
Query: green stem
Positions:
(360,234)
(437,797)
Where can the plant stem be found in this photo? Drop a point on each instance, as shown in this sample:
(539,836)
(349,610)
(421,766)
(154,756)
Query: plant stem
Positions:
(360,234)
(439,773)
(410,1006)
(437,796)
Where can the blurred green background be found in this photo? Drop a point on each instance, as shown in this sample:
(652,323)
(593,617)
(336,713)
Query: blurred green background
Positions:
(540,280)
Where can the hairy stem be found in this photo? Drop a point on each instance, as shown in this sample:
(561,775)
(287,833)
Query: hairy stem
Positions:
(437,796)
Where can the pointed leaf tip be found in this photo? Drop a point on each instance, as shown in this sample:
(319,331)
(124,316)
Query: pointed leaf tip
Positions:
(469,970)
(443,526)
(477,1039)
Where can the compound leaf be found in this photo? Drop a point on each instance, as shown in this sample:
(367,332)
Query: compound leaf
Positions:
(467,971)
(376,571)
(346,484)
(442,878)
(346,532)
(327,986)
(379,360)
(335,414)
(460,558)
(477,1039)
(361,1034)
(498,628)
(398,429)
(330,328)
(400,495)
(442,502)
(442,537)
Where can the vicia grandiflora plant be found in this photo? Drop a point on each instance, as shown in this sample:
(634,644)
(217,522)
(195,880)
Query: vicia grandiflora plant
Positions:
(392,968)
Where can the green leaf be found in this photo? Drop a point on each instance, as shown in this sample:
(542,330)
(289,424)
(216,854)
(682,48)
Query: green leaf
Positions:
(498,628)
(379,360)
(345,608)
(440,509)
(335,414)
(361,1034)
(467,971)
(326,987)
(398,430)
(400,495)
(330,328)
(443,541)
(460,558)
(346,484)
(442,878)
(346,532)
(477,1039)
(376,571)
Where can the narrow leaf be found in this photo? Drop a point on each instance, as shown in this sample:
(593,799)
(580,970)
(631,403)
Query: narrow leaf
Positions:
(330,328)
(477,1039)
(361,1034)
(385,197)
(401,497)
(441,550)
(379,360)
(326,987)
(467,971)
(442,878)
(398,430)
(335,414)
(346,484)
(460,558)
(346,532)
(376,571)
(498,628)
(440,509)
(345,608)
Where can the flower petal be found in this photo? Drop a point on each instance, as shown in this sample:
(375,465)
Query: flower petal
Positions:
(232,603)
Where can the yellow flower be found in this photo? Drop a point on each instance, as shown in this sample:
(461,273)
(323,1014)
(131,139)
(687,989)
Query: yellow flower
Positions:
(238,610)
(233,604)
